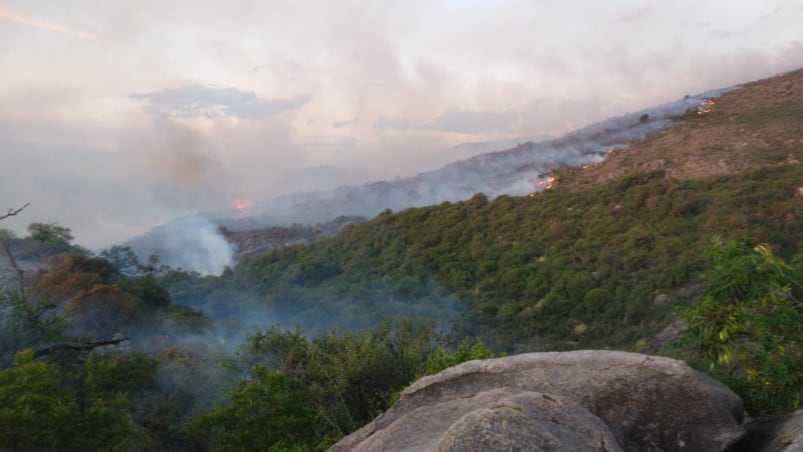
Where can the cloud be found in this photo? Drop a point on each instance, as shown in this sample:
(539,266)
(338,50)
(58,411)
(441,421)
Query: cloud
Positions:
(342,124)
(544,114)
(10,15)
(197,101)
(107,148)
(458,121)
(468,121)
(395,123)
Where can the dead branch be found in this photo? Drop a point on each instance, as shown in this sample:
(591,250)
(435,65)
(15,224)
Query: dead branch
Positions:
(12,212)
(77,346)
(20,272)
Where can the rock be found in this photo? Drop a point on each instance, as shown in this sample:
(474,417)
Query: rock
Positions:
(661,298)
(647,402)
(775,434)
(672,332)
(502,419)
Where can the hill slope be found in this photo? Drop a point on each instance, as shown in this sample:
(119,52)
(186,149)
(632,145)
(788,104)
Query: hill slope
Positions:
(516,171)
(593,263)
(756,124)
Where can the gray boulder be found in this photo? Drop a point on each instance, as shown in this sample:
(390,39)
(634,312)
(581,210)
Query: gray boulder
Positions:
(503,419)
(647,402)
(774,434)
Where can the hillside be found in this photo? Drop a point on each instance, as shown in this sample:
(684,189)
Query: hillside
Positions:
(515,171)
(595,262)
(737,129)
(191,242)
(122,355)
(756,124)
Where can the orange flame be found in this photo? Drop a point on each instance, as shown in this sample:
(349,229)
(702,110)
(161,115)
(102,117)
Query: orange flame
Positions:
(548,183)
(706,105)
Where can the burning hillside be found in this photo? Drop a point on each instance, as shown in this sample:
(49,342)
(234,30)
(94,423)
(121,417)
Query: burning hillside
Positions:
(518,171)
(718,132)
(757,124)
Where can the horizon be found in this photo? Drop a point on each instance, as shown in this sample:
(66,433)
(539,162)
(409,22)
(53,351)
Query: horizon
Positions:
(112,121)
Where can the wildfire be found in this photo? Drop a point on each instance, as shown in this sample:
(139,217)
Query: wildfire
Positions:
(240,205)
(548,183)
(706,106)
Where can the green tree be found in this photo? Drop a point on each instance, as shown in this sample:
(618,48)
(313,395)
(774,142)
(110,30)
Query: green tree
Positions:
(311,392)
(749,325)
(269,412)
(52,234)
(443,358)
(36,413)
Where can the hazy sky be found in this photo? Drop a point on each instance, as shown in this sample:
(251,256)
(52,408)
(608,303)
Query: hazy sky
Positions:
(117,115)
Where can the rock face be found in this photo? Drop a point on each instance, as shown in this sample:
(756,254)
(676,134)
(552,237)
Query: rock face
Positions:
(498,419)
(583,400)
(777,434)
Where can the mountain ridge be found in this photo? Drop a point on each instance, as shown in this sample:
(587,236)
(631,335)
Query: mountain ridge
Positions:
(754,124)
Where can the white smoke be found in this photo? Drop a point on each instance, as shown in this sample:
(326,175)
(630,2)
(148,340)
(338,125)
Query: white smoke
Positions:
(192,243)
(514,172)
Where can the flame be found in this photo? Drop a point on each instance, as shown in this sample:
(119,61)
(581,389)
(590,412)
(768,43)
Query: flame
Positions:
(241,206)
(42,24)
(548,183)
(706,105)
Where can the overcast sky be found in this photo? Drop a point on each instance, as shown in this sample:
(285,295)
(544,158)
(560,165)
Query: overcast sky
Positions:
(118,115)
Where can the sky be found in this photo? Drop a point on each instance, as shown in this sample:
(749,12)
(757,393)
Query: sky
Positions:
(116,116)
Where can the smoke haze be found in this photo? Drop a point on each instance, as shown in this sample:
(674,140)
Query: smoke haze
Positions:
(113,122)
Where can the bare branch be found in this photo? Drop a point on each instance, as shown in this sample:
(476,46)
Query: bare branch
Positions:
(12,212)
(77,346)
(20,272)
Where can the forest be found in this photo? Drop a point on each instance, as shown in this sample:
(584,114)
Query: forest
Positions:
(294,348)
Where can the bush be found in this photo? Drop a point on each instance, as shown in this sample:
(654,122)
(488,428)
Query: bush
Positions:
(749,324)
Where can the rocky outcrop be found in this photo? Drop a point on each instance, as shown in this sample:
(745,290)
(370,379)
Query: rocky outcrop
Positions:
(776,434)
(499,419)
(582,400)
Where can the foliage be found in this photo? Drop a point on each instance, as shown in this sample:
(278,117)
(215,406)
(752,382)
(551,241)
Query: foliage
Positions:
(38,412)
(561,270)
(749,325)
(307,393)
(122,258)
(52,234)
(443,358)
(269,411)
(25,324)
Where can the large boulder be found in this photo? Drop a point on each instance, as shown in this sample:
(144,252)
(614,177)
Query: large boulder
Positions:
(774,434)
(647,402)
(499,419)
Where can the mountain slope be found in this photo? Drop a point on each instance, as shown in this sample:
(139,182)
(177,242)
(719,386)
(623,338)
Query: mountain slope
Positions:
(601,265)
(516,171)
(756,124)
